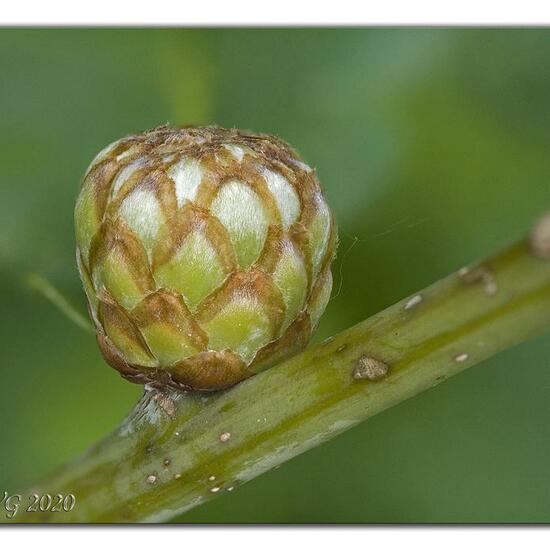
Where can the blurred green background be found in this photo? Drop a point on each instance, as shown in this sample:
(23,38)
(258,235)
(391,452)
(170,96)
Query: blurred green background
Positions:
(433,146)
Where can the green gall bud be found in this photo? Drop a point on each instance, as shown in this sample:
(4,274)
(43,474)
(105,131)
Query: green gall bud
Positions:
(205,254)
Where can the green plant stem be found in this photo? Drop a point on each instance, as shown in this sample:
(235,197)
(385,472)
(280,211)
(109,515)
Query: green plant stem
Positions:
(170,455)
(44,287)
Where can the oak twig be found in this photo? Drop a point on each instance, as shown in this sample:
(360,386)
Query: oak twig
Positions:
(176,451)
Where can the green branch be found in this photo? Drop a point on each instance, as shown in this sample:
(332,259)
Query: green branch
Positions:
(175,452)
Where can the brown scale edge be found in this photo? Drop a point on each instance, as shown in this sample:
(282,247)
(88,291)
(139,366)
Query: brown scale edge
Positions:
(291,342)
(207,371)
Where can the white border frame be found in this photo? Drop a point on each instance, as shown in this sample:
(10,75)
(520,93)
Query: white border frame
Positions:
(279,13)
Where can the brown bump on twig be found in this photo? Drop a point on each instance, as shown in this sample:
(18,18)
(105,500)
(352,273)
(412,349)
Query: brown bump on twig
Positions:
(480,274)
(540,237)
(225,437)
(370,368)
(414,301)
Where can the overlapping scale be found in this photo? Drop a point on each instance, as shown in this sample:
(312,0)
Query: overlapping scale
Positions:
(284,261)
(91,203)
(285,196)
(194,256)
(123,334)
(246,218)
(119,264)
(320,297)
(244,315)
(319,234)
(168,327)
(187,176)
